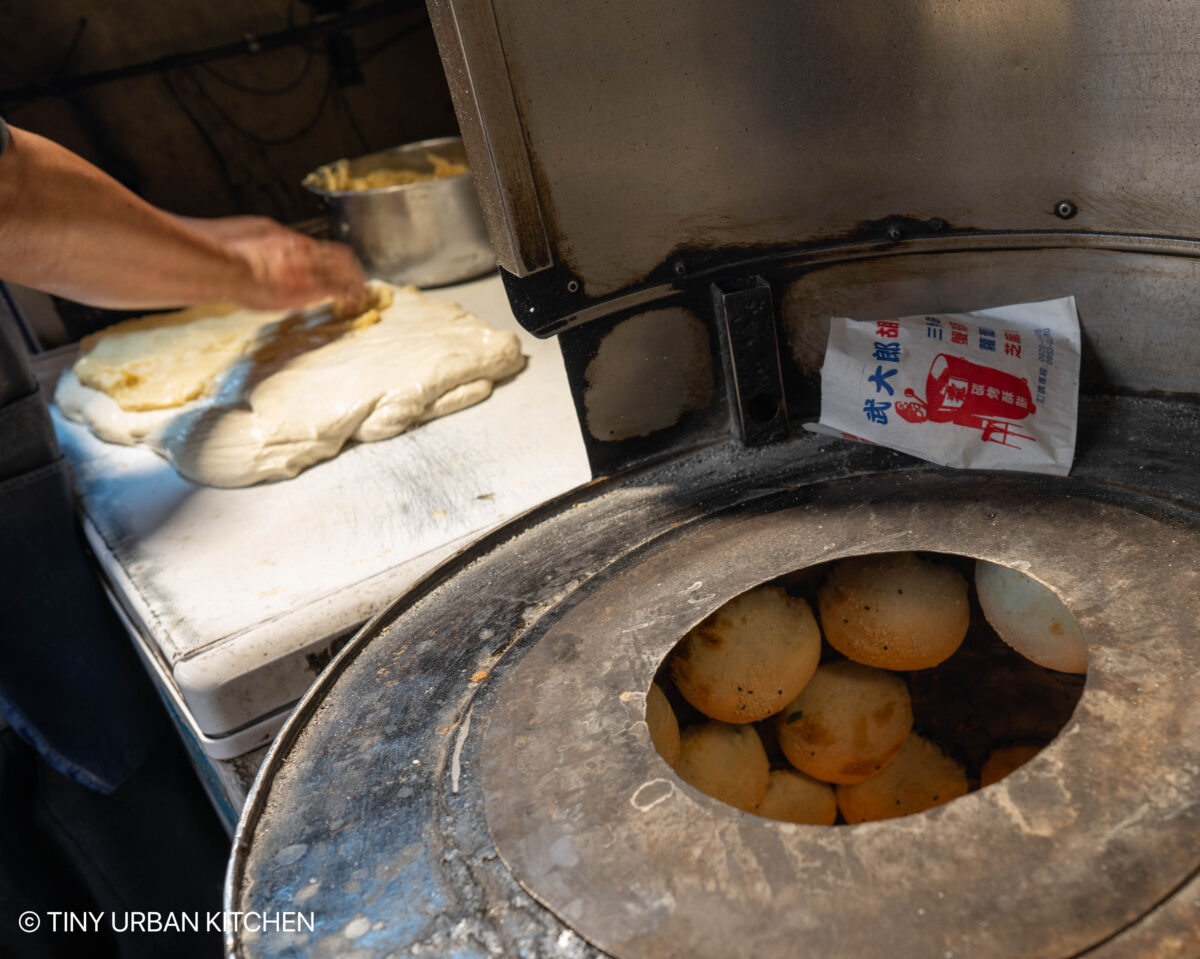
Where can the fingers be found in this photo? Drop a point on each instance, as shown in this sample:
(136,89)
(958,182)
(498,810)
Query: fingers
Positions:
(339,274)
(288,270)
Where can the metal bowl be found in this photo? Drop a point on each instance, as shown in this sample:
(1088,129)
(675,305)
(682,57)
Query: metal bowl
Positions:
(429,233)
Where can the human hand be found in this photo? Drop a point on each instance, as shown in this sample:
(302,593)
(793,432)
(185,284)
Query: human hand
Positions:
(284,269)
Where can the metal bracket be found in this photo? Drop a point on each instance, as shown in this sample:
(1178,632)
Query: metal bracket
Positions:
(746,316)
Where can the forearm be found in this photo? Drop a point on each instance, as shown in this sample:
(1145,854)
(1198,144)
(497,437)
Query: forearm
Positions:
(69,229)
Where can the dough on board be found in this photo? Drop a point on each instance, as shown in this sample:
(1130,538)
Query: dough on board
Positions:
(234,397)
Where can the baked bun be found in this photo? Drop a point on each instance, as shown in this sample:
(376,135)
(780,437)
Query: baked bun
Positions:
(1030,618)
(750,658)
(726,762)
(1005,760)
(794,797)
(894,610)
(919,778)
(848,723)
(664,727)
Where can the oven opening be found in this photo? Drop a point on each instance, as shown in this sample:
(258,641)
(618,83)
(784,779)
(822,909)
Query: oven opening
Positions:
(868,688)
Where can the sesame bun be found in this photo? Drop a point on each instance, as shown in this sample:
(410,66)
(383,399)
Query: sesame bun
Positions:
(794,797)
(750,658)
(848,723)
(726,762)
(894,610)
(919,778)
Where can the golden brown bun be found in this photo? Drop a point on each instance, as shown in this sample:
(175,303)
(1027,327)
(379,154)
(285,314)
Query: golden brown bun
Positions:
(919,778)
(726,762)
(1004,760)
(750,658)
(848,723)
(794,797)
(664,727)
(894,610)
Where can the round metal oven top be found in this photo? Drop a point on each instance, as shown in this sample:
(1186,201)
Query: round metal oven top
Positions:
(479,753)
(597,827)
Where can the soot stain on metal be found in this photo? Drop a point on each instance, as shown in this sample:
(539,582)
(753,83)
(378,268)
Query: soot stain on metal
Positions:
(648,371)
(459,895)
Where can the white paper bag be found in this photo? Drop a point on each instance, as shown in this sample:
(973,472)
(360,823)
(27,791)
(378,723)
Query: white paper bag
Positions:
(996,389)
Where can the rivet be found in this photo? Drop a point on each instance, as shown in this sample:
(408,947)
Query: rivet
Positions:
(1065,209)
(573,286)
(893,231)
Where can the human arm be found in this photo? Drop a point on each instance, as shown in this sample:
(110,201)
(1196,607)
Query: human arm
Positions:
(68,228)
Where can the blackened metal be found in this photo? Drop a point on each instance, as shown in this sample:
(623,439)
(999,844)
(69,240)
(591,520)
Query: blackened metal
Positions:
(342,823)
(541,299)
(544,309)
(746,317)
(694,429)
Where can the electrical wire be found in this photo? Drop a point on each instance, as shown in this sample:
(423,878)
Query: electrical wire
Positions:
(72,47)
(59,71)
(237,194)
(372,51)
(343,105)
(257,138)
(287,87)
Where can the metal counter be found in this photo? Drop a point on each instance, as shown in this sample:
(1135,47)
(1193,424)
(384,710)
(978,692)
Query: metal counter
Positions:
(237,598)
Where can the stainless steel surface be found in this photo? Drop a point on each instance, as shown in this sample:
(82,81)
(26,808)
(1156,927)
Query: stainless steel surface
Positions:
(652,134)
(429,233)
(487,114)
(1136,307)
(300,565)
(370,808)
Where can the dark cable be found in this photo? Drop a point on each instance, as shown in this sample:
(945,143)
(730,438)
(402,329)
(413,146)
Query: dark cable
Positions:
(319,27)
(382,45)
(71,48)
(264,91)
(235,191)
(258,138)
(270,91)
(343,104)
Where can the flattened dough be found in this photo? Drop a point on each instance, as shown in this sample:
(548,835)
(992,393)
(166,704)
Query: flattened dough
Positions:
(234,397)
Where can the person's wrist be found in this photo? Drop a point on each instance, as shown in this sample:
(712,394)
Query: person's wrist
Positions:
(248,277)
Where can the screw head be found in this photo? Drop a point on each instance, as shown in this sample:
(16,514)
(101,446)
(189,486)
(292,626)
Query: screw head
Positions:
(1065,209)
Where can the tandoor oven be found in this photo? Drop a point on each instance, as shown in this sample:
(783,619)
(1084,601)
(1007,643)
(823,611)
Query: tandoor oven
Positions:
(684,197)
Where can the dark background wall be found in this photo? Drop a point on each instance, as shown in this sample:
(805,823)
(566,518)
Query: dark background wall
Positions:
(230,134)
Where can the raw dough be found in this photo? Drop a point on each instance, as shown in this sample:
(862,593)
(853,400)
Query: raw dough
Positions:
(1030,618)
(234,397)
